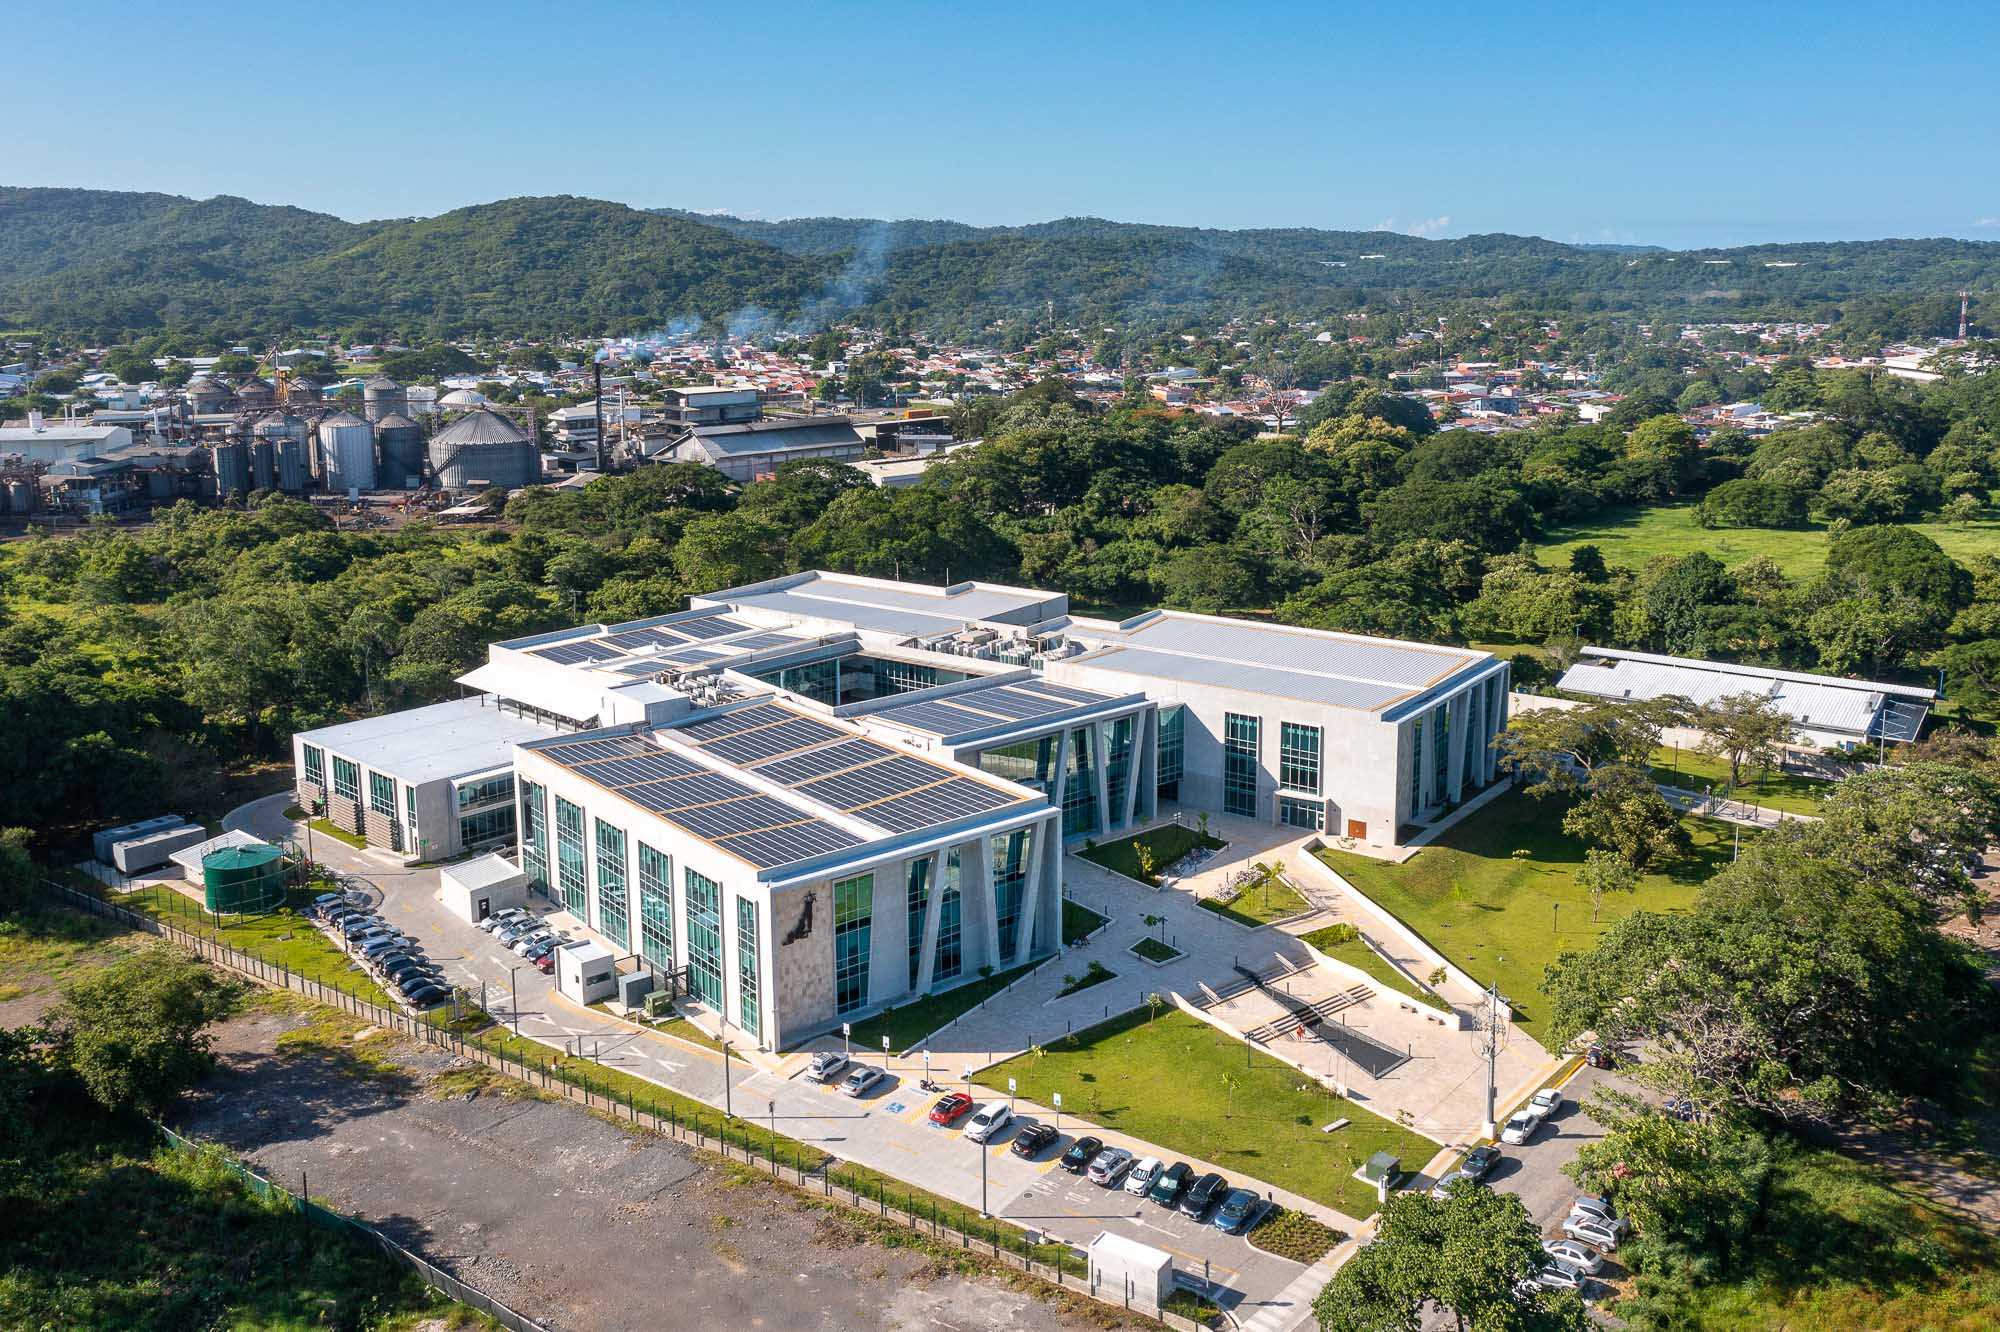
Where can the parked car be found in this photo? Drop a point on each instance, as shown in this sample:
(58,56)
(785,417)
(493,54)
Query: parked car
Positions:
(1600,1056)
(1203,1194)
(862,1079)
(357,925)
(540,948)
(546,963)
(415,982)
(406,969)
(427,997)
(992,1117)
(1520,1128)
(1081,1153)
(1479,1162)
(1236,1211)
(1450,1180)
(1594,1231)
(531,938)
(950,1108)
(504,916)
(1545,1103)
(1558,1276)
(375,945)
(825,1066)
(1594,1204)
(1571,1254)
(1109,1167)
(325,900)
(1031,1136)
(1167,1187)
(509,935)
(1144,1171)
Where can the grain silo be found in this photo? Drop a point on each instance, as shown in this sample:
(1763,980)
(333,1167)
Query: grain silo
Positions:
(401,442)
(284,436)
(382,396)
(232,468)
(483,448)
(255,395)
(263,463)
(206,397)
(346,452)
(301,393)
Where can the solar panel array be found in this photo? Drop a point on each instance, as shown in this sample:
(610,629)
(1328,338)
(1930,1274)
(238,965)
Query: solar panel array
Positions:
(569,654)
(710,626)
(756,641)
(980,708)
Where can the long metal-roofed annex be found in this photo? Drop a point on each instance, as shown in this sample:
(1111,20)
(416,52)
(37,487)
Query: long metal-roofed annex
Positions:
(774,786)
(885,606)
(1375,675)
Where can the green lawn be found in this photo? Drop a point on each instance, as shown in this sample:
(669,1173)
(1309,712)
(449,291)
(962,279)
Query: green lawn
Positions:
(1343,945)
(1843,1248)
(1078,920)
(910,1025)
(1695,771)
(1154,951)
(1179,1082)
(1632,537)
(1273,899)
(284,938)
(1505,918)
(1096,974)
(1169,843)
(326,829)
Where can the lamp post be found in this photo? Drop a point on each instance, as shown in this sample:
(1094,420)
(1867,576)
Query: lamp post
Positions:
(927,1066)
(983,1213)
(847,1040)
(514,1001)
(727,1111)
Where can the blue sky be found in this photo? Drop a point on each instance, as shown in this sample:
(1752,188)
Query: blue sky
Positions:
(1694,124)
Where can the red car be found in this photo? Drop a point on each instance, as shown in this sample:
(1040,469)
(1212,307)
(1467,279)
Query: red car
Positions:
(546,963)
(951,1108)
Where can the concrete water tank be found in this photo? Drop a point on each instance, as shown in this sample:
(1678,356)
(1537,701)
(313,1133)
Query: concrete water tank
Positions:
(232,469)
(346,453)
(381,397)
(401,442)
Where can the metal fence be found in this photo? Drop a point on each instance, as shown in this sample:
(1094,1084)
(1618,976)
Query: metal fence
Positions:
(432,1275)
(739,1139)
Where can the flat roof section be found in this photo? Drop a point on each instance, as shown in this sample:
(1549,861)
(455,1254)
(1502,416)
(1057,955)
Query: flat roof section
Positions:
(1824,702)
(891,607)
(444,740)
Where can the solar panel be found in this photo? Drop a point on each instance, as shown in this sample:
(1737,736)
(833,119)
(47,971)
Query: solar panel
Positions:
(569,654)
(729,723)
(1068,693)
(783,846)
(1014,703)
(709,626)
(954,799)
(756,641)
(688,656)
(750,814)
(821,762)
(685,792)
(586,751)
(657,766)
(877,781)
(937,717)
(642,638)
(638,668)
(767,741)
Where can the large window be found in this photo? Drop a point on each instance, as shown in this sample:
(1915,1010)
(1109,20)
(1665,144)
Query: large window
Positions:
(1080,788)
(1416,766)
(1010,880)
(1440,753)
(1474,702)
(747,1008)
(315,765)
(486,790)
(535,836)
(704,944)
(656,908)
(382,794)
(950,952)
(816,680)
(1117,768)
(612,918)
(1173,743)
(569,856)
(489,825)
(853,922)
(410,813)
(1239,763)
(346,779)
(920,883)
(1294,812)
(1298,757)
(1031,762)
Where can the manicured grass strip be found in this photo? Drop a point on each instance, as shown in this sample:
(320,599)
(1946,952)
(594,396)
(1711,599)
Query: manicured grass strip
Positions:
(1343,944)
(326,829)
(1181,1083)
(1695,771)
(1154,951)
(285,938)
(1503,916)
(1168,843)
(908,1026)
(1294,1235)
(1097,974)
(1078,921)
(1260,904)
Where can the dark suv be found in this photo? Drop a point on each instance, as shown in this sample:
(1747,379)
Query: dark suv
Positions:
(1203,1194)
(1080,1154)
(1166,1190)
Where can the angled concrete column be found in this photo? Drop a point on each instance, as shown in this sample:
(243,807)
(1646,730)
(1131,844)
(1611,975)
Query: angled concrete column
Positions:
(1031,893)
(933,899)
(1134,770)
(981,880)
(1100,760)
(1059,783)
(1454,750)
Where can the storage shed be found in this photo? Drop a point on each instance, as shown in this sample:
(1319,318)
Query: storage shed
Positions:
(474,889)
(1126,1269)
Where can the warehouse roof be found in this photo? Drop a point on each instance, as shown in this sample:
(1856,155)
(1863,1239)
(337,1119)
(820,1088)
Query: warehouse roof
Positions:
(454,739)
(776,436)
(1863,708)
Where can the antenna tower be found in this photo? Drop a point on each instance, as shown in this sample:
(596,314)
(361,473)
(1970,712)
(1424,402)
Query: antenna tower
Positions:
(1963,299)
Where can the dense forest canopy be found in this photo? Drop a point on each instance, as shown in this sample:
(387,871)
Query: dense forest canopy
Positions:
(105,265)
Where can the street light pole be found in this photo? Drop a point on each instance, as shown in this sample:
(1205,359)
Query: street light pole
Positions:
(514,1001)
(727,1111)
(983,1213)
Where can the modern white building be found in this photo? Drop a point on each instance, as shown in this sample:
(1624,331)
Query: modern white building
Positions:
(805,800)
(1827,711)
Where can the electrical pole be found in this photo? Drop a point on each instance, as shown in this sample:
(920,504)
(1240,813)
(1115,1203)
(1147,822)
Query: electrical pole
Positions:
(1492,1039)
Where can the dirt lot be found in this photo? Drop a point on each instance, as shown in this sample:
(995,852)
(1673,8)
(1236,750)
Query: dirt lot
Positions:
(558,1213)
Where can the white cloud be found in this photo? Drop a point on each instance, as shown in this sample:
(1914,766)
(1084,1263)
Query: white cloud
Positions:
(1987,222)
(1429,226)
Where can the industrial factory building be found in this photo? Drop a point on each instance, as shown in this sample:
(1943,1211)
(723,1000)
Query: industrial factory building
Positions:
(804,800)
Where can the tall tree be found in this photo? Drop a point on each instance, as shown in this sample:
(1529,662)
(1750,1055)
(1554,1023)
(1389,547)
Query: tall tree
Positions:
(1742,728)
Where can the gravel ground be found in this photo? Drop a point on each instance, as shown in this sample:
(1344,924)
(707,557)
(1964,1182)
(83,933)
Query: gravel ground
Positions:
(562,1215)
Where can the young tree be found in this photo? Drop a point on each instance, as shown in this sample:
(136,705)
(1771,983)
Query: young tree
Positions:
(135,1032)
(1605,872)
(1465,1252)
(1742,728)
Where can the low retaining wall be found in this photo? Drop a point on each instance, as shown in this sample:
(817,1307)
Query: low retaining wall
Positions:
(1410,938)
(1442,1016)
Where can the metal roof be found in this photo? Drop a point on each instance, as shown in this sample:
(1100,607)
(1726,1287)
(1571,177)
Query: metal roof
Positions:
(899,608)
(454,739)
(773,436)
(1821,702)
(480,427)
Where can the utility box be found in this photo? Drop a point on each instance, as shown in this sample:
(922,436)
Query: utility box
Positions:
(1122,1268)
(155,849)
(102,842)
(586,972)
(633,988)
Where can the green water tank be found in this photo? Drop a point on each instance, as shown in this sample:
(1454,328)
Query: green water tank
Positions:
(244,879)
